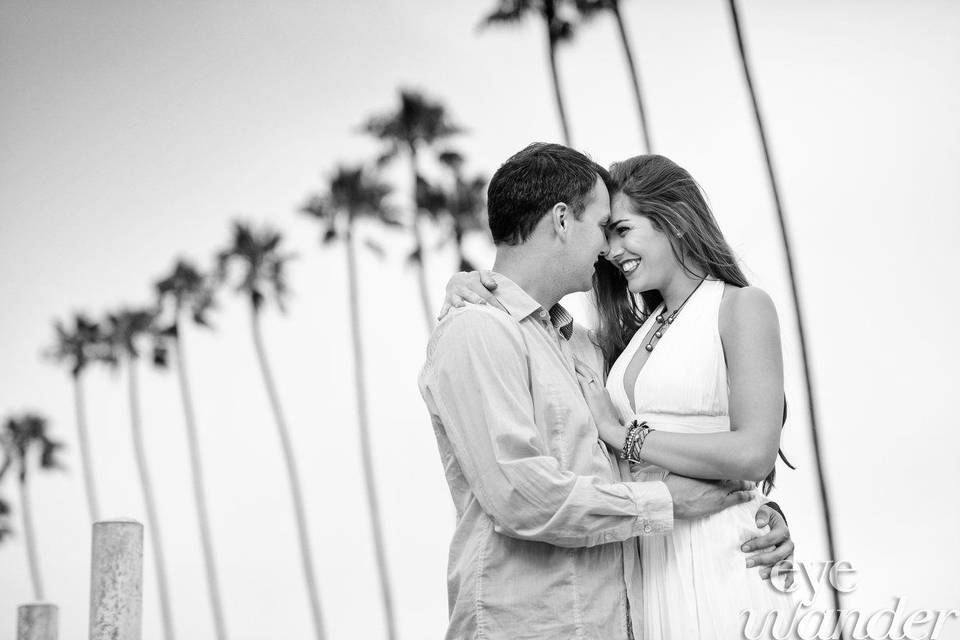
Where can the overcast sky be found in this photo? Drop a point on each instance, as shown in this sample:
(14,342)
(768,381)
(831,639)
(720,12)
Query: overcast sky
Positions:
(133,132)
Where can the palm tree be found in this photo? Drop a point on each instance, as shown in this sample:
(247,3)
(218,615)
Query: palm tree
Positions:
(355,193)
(187,290)
(124,329)
(559,29)
(588,9)
(5,529)
(20,435)
(263,279)
(77,347)
(465,203)
(418,123)
(795,290)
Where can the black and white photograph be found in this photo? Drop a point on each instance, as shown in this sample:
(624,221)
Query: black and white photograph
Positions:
(479,320)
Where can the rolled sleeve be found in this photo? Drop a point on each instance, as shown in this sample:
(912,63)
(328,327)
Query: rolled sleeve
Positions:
(655,506)
(476,381)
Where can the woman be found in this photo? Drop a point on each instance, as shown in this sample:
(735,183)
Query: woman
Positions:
(694,387)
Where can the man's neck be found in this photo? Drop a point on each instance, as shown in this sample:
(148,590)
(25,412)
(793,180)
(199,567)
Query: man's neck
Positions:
(527,269)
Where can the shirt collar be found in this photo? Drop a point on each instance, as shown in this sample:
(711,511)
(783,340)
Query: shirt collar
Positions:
(520,305)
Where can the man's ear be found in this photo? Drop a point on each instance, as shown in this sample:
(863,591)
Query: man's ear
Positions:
(560,215)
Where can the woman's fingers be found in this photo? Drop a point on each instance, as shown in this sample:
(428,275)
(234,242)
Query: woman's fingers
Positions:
(487,280)
(583,369)
(443,311)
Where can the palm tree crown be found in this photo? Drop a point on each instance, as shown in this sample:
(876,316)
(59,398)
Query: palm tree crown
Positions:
(20,435)
(79,346)
(353,192)
(417,122)
(188,289)
(559,27)
(264,274)
(123,331)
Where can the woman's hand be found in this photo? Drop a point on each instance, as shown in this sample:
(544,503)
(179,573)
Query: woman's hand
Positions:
(468,287)
(598,400)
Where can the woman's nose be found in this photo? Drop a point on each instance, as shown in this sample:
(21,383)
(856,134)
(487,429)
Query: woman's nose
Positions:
(614,249)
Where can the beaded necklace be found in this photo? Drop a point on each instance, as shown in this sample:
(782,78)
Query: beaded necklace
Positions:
(662,323)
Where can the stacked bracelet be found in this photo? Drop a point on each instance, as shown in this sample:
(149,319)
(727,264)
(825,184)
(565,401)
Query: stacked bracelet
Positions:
(637,433)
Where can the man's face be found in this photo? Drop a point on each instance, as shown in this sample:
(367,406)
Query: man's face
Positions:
(587,236)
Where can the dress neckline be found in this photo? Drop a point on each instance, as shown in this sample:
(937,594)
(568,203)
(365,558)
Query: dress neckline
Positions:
(636,342)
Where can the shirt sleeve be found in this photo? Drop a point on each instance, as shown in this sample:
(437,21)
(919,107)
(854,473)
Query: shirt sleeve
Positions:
(476,382)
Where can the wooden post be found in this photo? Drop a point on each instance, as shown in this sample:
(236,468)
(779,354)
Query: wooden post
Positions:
(37,622)
(116,580)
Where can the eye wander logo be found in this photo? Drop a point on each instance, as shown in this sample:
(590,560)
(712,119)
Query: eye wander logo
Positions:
(808,623)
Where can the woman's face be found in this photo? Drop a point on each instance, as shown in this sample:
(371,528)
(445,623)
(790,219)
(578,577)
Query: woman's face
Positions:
(641,252)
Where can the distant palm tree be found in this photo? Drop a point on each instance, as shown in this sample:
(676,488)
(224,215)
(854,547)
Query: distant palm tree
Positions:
(77,347)
(559,29)
(587,9)
(417,124)
(186,290)
(123,331)
(20,435)
(263,278)
(465,203)
(355,193)
(5,529)
(795,290)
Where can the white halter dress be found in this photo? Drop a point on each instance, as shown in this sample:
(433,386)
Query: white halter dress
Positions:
(695,582)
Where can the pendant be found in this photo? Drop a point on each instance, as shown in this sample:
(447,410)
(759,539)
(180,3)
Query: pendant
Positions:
(649,347)
(659,334)
(660,318)
(670,320)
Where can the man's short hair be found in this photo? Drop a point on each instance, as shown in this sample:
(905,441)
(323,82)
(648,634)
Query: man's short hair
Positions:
(531,182)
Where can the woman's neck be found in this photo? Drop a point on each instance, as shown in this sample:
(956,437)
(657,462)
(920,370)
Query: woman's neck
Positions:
(680,288)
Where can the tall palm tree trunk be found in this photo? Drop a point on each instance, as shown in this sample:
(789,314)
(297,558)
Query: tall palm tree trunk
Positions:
(83,438)
(557,92)
(798,308)
(365,443)
(293,477)
(199,492)
(139,451)
(419,247)
(634,74)
(30,539)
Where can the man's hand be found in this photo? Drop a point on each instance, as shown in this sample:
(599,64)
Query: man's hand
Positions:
(468,287)
(698,498)
(775,546)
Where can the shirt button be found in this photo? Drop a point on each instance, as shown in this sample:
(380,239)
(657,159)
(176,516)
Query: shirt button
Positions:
(544,314)
(647,528)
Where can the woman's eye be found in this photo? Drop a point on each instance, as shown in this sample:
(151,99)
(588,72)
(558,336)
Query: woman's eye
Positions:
(620,230)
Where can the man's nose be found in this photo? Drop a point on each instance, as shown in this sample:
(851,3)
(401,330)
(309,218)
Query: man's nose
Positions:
(605,249)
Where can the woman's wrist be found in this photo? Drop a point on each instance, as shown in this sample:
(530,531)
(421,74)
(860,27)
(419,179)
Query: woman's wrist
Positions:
(635,435)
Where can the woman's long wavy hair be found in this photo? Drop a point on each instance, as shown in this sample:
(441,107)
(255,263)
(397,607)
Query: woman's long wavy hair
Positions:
(669,197)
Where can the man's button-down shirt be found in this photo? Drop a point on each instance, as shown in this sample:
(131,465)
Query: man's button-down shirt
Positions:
(543,546)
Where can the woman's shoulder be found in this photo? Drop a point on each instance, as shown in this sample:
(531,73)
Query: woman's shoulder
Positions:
(751,306)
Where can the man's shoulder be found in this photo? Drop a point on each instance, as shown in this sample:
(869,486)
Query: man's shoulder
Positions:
(471,323)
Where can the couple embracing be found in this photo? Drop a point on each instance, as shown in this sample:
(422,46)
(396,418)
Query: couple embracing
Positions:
(605,482)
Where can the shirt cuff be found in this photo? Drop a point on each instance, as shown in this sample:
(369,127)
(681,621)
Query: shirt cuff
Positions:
(655,507)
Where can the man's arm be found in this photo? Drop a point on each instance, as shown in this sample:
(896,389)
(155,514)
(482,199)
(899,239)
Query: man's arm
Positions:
(476,382)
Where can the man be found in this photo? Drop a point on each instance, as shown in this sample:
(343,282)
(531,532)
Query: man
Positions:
(544,544)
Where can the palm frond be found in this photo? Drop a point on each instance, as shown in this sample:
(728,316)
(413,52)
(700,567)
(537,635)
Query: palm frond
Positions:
(257,251)
(418,120)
